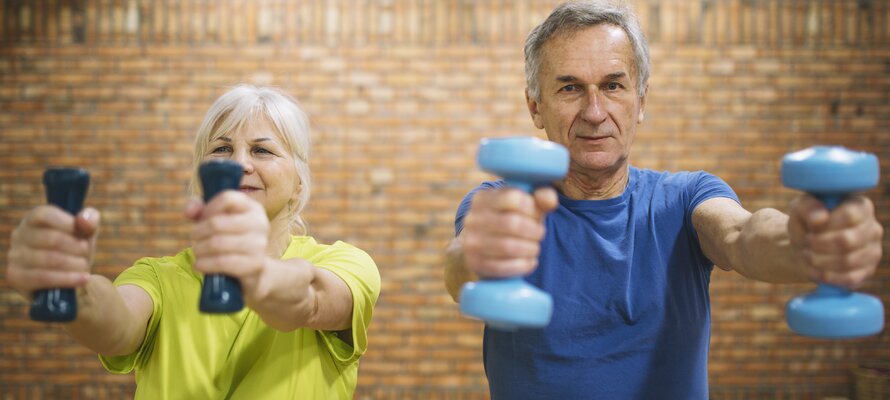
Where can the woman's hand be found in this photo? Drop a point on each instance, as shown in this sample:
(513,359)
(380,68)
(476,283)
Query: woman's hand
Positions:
(52,249)
(230,237)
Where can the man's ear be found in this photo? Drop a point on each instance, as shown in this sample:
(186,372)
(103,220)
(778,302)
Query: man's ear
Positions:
(642,112)
(533,110)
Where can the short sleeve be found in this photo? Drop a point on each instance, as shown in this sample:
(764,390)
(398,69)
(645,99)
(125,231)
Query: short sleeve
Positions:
(359,272)
(144,275)
(464,206)
(704,186)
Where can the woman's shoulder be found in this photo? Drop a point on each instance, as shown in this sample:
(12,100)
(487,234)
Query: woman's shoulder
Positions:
(309,248)
(182,260)
(308,244)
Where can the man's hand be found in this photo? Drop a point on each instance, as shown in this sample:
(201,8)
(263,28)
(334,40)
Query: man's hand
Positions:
(841,247)
(503,230)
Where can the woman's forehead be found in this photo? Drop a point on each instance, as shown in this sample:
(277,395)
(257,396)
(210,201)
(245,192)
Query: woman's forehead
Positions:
(256,126)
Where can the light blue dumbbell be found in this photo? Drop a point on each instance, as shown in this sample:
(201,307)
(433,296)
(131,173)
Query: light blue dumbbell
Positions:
(829,174)
(525,163)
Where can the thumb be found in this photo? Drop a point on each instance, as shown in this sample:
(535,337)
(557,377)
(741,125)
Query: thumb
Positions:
(86,223)
(193,208)
(546,199)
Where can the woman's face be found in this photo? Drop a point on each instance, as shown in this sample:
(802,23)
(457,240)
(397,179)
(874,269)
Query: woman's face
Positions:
(270,175)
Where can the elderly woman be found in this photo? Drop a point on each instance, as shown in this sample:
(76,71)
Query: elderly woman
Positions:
(308,304)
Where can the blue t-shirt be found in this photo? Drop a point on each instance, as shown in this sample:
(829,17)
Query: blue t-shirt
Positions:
(629,281)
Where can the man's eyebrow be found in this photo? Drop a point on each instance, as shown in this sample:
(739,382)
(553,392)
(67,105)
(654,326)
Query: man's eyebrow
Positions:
(614,76)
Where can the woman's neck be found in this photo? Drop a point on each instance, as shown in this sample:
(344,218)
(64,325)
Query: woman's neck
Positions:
(279,236)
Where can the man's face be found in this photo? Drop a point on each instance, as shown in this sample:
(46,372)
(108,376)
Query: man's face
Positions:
(589,100)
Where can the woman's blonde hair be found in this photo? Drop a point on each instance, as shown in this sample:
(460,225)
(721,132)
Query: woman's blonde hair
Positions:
(244,104)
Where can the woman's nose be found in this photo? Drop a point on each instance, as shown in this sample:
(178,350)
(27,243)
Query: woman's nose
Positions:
(245,161)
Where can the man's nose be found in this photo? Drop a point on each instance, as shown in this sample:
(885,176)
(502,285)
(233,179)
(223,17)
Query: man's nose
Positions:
(594,111)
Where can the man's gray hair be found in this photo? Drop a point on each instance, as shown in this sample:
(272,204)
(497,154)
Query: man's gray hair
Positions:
(572,17)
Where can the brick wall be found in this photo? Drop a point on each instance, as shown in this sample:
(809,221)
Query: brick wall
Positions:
(400,91)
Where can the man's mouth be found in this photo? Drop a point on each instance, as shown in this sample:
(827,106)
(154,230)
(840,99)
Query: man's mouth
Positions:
(593,139)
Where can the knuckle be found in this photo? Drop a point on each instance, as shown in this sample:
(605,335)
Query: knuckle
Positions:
(511,223)
(848,240)
(217,244)
(215,224)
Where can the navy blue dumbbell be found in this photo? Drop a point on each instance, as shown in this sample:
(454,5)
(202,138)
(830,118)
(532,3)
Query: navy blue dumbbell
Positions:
(66,188)
(220,294)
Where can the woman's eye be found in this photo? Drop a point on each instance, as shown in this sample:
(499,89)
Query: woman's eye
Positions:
(222,149)
(262,150)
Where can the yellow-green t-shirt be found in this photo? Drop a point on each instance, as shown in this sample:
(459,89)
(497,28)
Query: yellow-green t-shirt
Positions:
(190,355)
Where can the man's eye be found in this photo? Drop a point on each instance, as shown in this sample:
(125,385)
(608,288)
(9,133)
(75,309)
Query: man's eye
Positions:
(613,86)
(569,88)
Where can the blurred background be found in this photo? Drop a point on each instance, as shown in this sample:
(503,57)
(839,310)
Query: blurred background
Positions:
(400,92)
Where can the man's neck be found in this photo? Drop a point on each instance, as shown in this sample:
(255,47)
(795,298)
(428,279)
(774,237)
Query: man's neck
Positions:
(594,185)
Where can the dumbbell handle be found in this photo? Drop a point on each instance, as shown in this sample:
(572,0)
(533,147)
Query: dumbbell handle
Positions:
(66,188)
(220,294)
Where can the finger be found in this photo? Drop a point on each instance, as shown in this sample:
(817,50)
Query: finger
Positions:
(30,259)
(504,199)
(864,258)
(228,202)
(228,244)
(501,268)
(867,233)
(33,239)
(49,216)
(853,210)
(504,224)
(810,211)
(86,223)
(501,248)
(28,281)
(851,280)
(230,224)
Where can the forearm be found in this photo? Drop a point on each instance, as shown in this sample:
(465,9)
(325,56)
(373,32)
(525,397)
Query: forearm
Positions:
(293,294)
(762,250)
(104,323)
(456,272)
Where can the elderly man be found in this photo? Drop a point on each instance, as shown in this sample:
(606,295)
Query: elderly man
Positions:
(627,253)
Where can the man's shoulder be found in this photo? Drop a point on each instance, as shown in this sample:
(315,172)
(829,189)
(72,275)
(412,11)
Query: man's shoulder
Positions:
(666,179)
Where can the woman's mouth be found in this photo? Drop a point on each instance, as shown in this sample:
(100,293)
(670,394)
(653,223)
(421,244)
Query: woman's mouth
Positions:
(247,189)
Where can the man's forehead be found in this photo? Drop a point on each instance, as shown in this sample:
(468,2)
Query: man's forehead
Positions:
(603,45)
